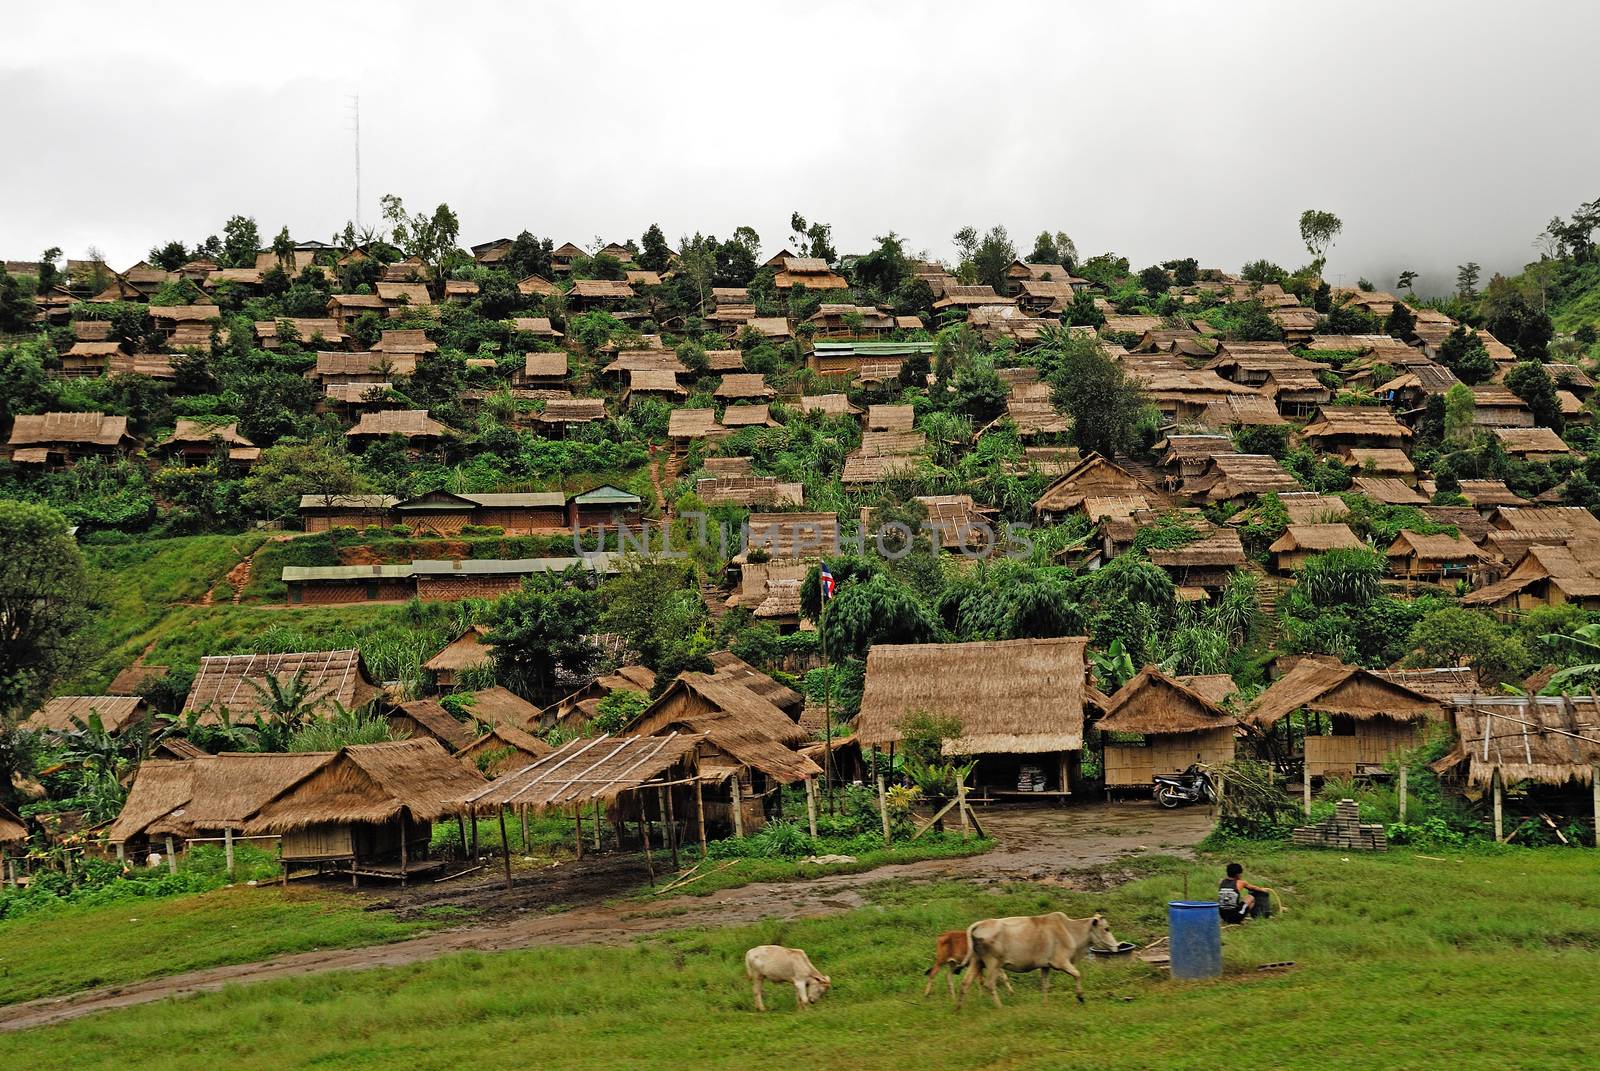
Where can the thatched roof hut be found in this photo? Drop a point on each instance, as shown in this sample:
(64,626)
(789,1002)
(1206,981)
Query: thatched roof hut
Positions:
(117,713)
(503,748)
(582,706)
(12,828)
(1092,476)
(1011,696)
(1331,687)
(730,667)
(1153,703)
(234,682)
(367,783)
(736,721)
(501,706)
(426,718)
(408,423)
(1549,740)
(159,788)
(465,652)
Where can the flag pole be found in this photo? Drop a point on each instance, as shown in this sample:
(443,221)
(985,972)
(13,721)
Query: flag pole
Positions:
(827,705)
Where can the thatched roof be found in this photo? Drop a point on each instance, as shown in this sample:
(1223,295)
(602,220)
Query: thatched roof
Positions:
(1153,703)
(1316,538)
(1436,548)
(541,365)
(1444,683)
(743,385)
(656,380)
(500,706)
(512,748)
(463,652)
(1380,460)
(1011,696)
(1229,476)
(1246,410)
(1486,494)
(645,361)
(369,783)
(730,667)
(890,417)
(735,719)
(1331,687)
(601,289)
(436,722)
(117,712)
(748,416)
(1093,475)
(748,491)
(1309,507)
(1526,441)
(692,423)
(791,535)
(159,788)
(12,829)
(77,429)
(229,682)
(1389,491)
(1572,568)
(584,770)
(1216,547)
(1352,420)
(1547,739)
(228,789)
(411,423)
(572,411)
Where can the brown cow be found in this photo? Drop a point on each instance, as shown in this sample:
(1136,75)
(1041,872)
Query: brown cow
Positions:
(949,954)
(1041,943)
(774,963)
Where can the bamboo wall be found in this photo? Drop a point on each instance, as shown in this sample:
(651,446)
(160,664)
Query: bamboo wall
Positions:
(1130,765)
(1372,745)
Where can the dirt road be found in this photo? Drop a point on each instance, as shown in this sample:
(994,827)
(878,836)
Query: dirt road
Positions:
(1034,844)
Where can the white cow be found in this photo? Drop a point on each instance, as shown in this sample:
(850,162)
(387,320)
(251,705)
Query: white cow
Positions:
(1041,943)
(774,963)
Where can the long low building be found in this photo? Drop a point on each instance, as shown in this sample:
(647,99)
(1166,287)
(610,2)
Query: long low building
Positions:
(447,513)
(429,580)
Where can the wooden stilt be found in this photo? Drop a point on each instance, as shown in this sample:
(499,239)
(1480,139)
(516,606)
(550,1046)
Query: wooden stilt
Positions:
(644,836)
(227,849)
(1305,791)
(961,804)
(172,857)
(597,825)
(577,819)
(1499,812)
(121,855)
(1402,792)
(883,808)
(461,828)
(700,810)
(474,816)
(405,847)
(505,846)
(1594,782)
(523,808)
(738,808)
(355,861)
(672,825)
(811,806)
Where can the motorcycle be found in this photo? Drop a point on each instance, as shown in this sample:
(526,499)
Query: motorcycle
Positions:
(1193,785)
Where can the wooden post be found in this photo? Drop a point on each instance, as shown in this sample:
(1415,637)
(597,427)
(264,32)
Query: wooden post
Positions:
(700,811)
(883,808)
(523,810)
(961,805)
(1221,784)
(172,857)
(227,848)
(672,825)
(811,806)
(738,808)
(644,835)
(461,827)
(1305,791)
(1402,792)
(121,856)
(1594,782)
(405,835)
(597,825)
(1499,813)
(577,822)
(505,845)
(474,815)
(355,861)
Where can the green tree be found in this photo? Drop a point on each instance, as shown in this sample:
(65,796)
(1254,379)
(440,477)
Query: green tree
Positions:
(878,610)
(1460,413)
(283,249)
(16,305)
(985,258)
(655,254)
(1401,322)
(1455,636)
(1464,353)
(1467,279)
(1154,280)
(287,471)
(1318,229)
(1529,381)
(241,240)
(169,257)
(1054,248)
(541,634)
(1407,281)
(431,238)
(44,606)
(1104,403)
(529,256)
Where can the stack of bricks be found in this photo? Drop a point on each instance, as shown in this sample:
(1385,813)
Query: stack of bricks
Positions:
(1344,830)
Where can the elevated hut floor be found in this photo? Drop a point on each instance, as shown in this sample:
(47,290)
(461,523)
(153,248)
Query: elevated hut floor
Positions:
(346,868)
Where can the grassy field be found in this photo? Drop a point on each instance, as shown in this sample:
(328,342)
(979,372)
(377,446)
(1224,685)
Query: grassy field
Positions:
(48,955)
(1460,961)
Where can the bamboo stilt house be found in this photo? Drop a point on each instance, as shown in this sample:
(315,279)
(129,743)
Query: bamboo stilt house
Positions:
(1019,703)
(1368,717)
(1180,718)
(159,788)
(357,808)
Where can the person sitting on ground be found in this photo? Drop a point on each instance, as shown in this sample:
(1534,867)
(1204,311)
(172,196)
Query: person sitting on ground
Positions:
(1238,900)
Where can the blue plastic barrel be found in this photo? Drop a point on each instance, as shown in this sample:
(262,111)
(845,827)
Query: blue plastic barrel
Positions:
(1194,931)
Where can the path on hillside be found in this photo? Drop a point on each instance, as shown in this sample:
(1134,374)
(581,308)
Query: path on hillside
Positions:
(1035,844)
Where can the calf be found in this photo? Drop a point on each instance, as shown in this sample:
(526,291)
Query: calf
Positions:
(949,954)
(774,963)
(1032,943)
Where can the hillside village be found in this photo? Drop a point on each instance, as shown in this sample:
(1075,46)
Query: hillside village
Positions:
(355,537)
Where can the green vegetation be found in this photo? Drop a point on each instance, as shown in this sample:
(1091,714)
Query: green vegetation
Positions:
(1373,938)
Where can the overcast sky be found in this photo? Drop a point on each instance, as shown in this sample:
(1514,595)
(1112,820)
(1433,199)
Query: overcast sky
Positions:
(1439,132)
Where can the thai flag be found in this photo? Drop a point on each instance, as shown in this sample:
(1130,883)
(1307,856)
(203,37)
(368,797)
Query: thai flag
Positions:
(825,578)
